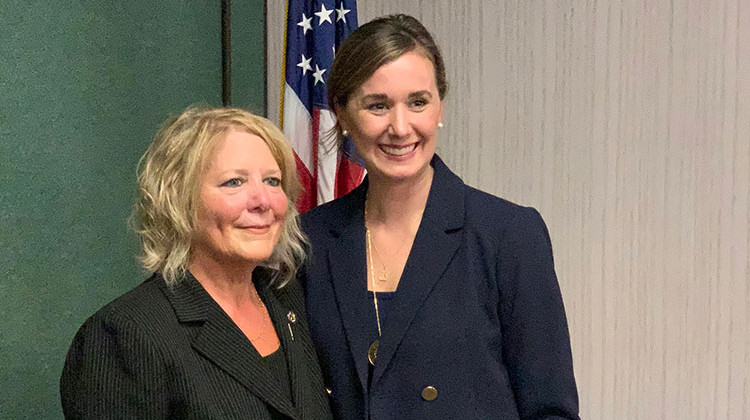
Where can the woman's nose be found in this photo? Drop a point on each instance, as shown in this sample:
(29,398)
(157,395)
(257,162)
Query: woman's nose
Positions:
(400,125)
(258,197)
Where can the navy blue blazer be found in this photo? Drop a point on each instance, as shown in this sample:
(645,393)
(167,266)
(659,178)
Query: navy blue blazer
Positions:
(161,352)
(478,314)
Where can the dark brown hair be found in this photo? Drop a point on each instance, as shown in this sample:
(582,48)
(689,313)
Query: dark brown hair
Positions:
(374,44)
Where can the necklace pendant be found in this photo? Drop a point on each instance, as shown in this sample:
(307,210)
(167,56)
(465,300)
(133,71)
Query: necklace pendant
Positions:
(383,275)
(372,352)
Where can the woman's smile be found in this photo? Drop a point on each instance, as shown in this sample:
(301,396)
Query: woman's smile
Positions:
(398,151)
(256,229)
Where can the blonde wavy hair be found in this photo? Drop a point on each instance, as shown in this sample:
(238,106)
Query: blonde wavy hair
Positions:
(170,174)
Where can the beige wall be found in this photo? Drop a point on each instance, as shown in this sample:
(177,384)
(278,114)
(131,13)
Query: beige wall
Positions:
(627,124)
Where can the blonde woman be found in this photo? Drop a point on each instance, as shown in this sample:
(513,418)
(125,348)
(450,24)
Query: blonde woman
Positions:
(218,331)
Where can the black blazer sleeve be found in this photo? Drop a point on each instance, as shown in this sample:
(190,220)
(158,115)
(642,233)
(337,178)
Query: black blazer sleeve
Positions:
(536,345)
(112,371)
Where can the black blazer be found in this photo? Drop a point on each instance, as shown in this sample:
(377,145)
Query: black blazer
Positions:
(478,315)
(157,352)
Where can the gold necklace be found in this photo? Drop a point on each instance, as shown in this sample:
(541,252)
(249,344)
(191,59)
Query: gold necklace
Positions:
(372,351)
(383,274)
(265,319)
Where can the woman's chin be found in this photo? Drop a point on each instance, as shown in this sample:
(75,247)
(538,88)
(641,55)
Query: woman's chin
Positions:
(401,171)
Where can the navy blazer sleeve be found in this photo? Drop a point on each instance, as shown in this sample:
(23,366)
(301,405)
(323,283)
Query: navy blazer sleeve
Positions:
(536,346)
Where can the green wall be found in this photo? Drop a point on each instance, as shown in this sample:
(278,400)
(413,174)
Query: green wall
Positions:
(83,88)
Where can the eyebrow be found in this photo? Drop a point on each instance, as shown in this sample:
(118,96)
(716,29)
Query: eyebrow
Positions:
(244,172)
(375,97)
(420,94)
(383,96)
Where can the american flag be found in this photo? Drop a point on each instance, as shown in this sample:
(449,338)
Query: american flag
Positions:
(314,29)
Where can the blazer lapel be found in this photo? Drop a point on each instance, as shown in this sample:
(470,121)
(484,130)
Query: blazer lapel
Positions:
(438,238)
(220,341)
(347,262)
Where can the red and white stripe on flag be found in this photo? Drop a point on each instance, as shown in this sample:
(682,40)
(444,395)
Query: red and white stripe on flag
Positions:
(314,29)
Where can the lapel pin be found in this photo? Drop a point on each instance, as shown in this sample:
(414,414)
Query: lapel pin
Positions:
(292,317)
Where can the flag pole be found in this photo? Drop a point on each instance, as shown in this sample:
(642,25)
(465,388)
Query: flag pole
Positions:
(226,52)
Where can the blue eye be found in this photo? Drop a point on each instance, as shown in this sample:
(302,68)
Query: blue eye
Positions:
(378,107)
(272,181)
(234,182)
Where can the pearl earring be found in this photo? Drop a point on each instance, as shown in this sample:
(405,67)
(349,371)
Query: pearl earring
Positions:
(440,124)
(345,133)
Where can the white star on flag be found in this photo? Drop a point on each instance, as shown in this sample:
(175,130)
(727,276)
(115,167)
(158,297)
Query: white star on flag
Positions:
(305,64)
(324,15)
(305,23)
(325,172)
(341,13)
(318,75)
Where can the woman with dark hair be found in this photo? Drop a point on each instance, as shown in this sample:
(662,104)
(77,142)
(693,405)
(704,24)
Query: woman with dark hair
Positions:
(218,330)
(427,299)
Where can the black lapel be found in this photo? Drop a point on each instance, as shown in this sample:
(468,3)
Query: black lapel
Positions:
(347,262)
(221,342)
(438,238)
